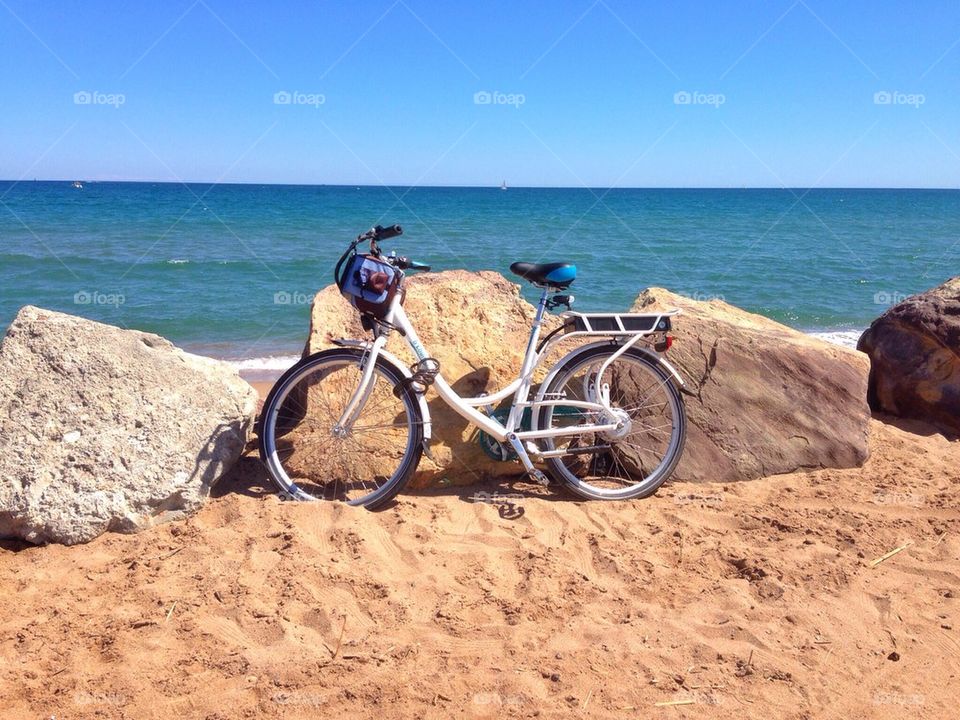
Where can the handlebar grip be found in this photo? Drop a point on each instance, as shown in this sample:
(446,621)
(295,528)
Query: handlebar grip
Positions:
(391,231)
(405,263)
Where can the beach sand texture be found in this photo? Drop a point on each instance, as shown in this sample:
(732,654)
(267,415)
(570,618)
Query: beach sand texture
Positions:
(741,600)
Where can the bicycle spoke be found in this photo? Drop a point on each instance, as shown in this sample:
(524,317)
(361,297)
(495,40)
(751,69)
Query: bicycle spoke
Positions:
(635,459)
(316,462)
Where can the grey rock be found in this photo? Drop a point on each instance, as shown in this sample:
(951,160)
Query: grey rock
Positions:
(104,429)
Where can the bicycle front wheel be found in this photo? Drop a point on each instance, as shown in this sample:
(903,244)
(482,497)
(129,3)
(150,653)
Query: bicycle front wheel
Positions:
(631,461)
(311,458)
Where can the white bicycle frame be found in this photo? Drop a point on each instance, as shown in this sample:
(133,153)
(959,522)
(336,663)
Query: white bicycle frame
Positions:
(520,387)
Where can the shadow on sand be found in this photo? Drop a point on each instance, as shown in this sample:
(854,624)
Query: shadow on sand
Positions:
(249,478)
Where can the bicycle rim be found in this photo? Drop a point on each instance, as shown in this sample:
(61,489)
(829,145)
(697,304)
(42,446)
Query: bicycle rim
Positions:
(366,466)
(629,463)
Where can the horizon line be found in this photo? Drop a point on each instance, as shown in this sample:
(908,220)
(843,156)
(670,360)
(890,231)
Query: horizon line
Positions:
(485,187)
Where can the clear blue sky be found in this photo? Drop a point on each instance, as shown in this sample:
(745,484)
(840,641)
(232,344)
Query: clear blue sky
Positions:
(781,92)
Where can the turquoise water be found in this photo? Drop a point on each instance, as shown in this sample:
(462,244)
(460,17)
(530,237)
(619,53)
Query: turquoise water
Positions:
(211,266)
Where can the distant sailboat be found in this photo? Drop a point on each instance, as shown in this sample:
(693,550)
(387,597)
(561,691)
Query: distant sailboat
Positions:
(503,185)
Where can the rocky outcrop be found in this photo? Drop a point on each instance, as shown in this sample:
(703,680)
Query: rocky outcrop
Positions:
(914,350)
(108,429)
(766,399)
(476,324)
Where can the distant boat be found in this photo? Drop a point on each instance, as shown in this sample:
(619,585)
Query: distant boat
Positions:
(78,185)
(503,185)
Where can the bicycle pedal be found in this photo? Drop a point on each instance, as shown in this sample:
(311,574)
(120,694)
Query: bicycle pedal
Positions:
(539,477)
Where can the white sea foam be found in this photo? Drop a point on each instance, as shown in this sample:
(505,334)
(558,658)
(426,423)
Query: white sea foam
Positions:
(846,338)
(177,261)
(271,362)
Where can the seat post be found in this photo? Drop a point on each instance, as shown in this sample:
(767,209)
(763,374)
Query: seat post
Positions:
(541,307)
(526,370)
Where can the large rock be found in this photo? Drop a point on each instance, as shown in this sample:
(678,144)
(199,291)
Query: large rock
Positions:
(914,350)
(108,429)
(767,399)
(476,324)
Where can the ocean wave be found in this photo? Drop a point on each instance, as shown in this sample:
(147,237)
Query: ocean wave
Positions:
(270,362)
(177,261)
(846,338)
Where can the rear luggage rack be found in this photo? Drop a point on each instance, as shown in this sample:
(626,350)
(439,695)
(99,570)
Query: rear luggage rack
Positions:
(617,323)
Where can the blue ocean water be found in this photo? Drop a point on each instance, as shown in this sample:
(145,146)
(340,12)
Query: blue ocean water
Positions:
(228,270)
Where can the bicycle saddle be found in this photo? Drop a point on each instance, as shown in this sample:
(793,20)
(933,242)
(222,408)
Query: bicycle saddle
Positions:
(555,275)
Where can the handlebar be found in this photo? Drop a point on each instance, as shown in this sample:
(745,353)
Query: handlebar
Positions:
(385,233)
(374,235)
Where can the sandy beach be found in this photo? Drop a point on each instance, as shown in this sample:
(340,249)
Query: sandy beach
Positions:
(262,387)
(728,601)
(518,263)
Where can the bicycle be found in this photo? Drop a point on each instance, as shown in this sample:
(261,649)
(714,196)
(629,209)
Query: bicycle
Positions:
(351,423)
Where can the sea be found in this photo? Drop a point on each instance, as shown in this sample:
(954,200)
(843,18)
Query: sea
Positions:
(229,270)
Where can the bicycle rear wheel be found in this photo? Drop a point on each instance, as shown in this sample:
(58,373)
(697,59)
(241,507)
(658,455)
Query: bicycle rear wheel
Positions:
(633,461)
(310,460)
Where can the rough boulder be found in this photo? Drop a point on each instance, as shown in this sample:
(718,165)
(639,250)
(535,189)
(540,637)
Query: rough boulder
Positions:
(766,399)
(103,429)
(914,350)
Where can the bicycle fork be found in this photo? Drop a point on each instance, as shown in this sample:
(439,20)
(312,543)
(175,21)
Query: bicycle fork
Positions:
(351,412)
